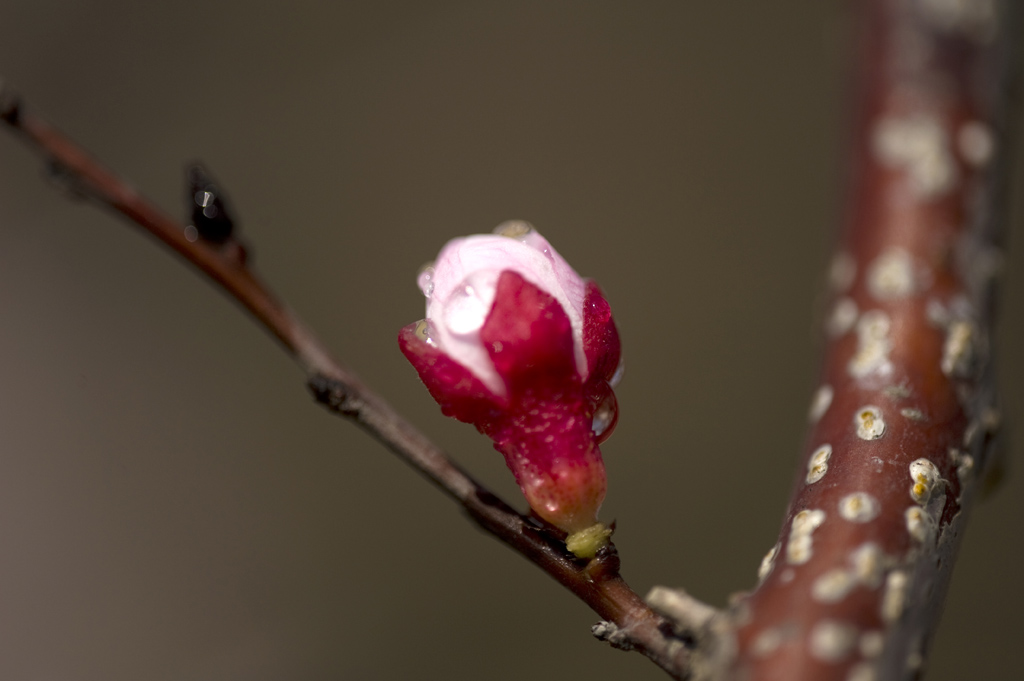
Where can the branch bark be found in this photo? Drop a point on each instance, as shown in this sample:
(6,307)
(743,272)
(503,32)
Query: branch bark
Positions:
(904,418)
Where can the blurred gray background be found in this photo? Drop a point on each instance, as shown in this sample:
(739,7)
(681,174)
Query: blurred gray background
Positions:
(172,503)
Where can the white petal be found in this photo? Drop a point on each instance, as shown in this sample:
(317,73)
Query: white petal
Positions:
(462,288)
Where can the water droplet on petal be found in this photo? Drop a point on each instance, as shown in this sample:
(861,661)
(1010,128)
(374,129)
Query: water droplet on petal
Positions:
(465,312)
(619,371)
(425,279)
(467,307)
(514,229)
(605,417)
(423,332)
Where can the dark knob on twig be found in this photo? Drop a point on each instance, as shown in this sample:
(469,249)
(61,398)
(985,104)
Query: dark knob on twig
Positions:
(210,214)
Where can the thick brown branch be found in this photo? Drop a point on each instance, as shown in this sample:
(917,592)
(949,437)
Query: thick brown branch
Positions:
(902,419)
(631,624)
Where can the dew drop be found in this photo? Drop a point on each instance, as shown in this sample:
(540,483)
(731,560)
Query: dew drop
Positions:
(605,417)
(425,279)
(514,229)
(619,371)
(468,305)
(423,332)
(465,312)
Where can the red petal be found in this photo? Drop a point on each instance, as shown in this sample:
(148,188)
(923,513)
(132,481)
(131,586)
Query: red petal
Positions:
(528,333)
(457,389)
(600,337)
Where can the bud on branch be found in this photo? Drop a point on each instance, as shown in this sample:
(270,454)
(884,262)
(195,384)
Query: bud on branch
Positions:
(518,344)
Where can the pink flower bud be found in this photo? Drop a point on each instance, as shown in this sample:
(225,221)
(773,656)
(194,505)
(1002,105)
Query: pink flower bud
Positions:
(518,344)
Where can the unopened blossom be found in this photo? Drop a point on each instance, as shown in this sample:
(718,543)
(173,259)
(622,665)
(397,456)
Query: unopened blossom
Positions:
(518,344)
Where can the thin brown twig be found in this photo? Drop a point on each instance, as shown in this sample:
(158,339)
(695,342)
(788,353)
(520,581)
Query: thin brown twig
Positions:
(631,624)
